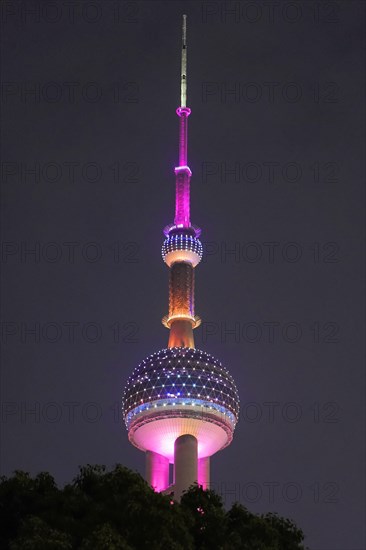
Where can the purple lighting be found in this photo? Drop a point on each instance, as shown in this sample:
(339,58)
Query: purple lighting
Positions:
(182,172)
(183,113)
(183,169)
(182,196)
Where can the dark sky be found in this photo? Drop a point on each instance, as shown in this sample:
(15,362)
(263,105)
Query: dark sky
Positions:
(277,95)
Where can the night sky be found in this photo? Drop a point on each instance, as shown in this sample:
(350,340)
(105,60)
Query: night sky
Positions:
(276,144)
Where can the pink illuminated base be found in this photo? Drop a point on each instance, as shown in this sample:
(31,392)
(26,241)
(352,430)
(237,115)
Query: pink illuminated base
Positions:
(203,473)
(157,471)
(159,436)
(158,481)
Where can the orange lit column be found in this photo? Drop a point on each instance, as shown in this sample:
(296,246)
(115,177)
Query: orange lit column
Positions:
(181,305)
(182,251)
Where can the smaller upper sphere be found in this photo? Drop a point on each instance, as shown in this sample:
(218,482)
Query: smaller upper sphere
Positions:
(182,247)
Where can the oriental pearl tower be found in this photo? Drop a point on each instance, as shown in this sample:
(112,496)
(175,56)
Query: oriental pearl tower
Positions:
(180,405)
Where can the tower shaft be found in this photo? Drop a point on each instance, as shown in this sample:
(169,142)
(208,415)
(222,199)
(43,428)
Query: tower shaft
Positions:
(183,249)
(181,335)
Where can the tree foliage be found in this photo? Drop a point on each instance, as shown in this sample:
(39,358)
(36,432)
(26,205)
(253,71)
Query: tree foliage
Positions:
(117,510)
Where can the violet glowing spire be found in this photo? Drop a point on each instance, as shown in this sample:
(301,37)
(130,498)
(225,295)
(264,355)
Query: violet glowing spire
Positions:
(180,405)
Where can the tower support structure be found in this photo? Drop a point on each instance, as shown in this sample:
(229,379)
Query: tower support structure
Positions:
(157,470)
(185,463)
(203,475)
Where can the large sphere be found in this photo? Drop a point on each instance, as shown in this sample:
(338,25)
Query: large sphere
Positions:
(179,391)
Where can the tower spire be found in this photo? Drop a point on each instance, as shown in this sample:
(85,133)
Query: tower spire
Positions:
(182,249)
(183,72)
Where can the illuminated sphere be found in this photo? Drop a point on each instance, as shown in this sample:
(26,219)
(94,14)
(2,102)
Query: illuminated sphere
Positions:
(182,247)
(179,391)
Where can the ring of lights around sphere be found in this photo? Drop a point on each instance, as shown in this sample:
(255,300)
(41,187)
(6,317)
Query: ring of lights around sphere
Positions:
(179,391)
(182,256)
(172,227)
(195,320)
(182,248)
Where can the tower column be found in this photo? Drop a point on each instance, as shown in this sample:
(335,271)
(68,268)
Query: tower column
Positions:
(204,472)
(157,471)
(181,335)
(185,464)
(181,290)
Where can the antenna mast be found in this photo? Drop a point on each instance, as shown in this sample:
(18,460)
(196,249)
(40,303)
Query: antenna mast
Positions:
(183,74)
